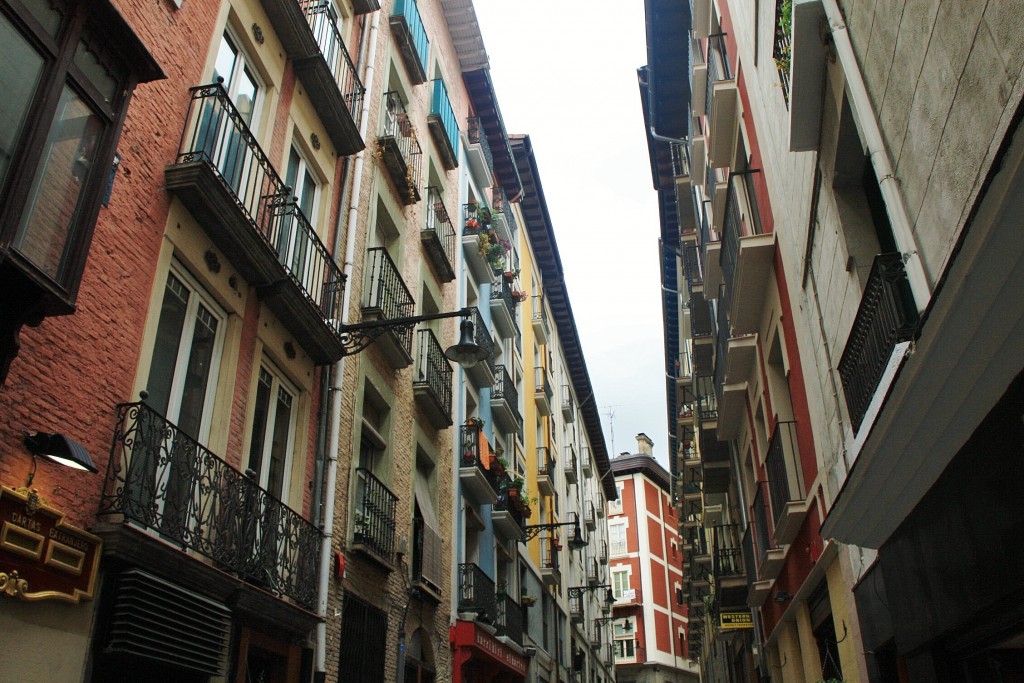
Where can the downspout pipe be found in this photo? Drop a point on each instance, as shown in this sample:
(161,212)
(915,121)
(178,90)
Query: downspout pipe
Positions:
(871,134)
(338,370)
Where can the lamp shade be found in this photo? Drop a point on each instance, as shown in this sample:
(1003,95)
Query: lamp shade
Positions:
(467,352)
(60,449)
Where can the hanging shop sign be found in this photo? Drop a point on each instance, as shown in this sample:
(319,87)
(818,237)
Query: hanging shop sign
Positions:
(729,620)
(41,557)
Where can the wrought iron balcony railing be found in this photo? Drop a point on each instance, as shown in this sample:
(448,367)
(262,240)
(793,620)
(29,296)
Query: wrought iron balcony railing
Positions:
(506,503)
(469,437)
(728,559)
(374,515)
(411,36)
(161,479)
(387,294)
(438,235)
(483,338)
(887,316)
(434,372)
(783,468)
(509,620)
(323,23)
(782,50)
(762,540)
(476,136)
(476,593)
(718,65)
(400,149)
(680,159)
(505,390)
(542,381)
(501,290)
(740,196)
(216,134)
(589,518)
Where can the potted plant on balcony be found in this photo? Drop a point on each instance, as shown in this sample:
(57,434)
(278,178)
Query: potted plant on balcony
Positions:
(519,296)
(527,600)
(483,214)
(475,422)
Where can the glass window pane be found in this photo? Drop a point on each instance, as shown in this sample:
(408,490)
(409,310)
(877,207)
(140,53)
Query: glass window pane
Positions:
(67,160)
(281,444)
(168,339)
(197,373)
(18,82)
(259,422)
(97,72)
(47,12)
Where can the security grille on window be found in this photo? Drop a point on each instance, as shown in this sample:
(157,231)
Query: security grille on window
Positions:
(364,632)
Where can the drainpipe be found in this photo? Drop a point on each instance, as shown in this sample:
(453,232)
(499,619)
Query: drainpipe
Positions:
(860,103)
(338,371)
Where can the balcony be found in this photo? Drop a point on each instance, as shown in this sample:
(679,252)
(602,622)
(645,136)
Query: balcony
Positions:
(808,58)
(411,38)
(693,499)
(438,236)
(503,307)
(386,297)
(589,517)
(482,373)
(308,31)
(602,551)
(593,570)
(542,390)
(886,317)
(364,6)
(540,320)
(163,481)
(747,261)
(569,465)
(722,105)
(399,149)
(768,555)
(596,636)
(508,513)
(505,401)
(701,13)
(715,469)
(476,593)
(586,461)
(550,549)
(718,184)
(509,619)
(484,255)
(227,183)
(475,476)
(478,152)
(729,569)
(374,519)
(432,381)
(698,160)
(427,560)
(600,505)
(545,472)
(442,125)
(785,483)
(698,77)
(502,218)
(569,412)
(577,608)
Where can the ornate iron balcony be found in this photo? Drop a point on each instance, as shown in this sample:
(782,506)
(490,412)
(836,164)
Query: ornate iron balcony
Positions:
(438,236)
(433,379)
(387,295)
(509,620)
(476,593)
(163,480)
(399,149)
(374,515)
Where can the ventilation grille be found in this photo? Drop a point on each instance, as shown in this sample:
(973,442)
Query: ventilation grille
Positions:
(159,620)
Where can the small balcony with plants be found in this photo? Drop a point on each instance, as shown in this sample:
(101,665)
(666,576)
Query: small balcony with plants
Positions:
(505,401)
(387,297)
(373,519)
(513,507)
(225,180)
(501,213)
(442,124)
(504,302)
(438,236)
(308,31)
(478,468)
(432,380)
(399,149)
(486,252)
(411,37)
(202,508)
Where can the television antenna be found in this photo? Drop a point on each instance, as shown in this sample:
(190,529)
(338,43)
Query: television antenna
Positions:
(610,414)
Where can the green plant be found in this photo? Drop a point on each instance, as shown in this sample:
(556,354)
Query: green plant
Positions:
(784,28)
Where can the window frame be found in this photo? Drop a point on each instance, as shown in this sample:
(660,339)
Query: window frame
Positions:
(279,383)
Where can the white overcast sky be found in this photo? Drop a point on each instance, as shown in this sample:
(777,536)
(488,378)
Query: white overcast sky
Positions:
(565,74)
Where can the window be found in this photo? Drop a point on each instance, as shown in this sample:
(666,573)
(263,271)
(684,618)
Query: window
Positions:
(273,433)
(623,641)
(222,141)
(615,506)
(186,356)
(364,632)
(617,538)
(69,70)
(620,582)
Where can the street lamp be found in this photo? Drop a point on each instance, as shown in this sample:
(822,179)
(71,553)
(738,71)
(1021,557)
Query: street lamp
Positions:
(467,353)
(576,592)
(577,542)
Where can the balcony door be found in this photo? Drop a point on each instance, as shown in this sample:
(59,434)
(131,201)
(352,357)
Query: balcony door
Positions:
(295,245)
(273,433)
(222,132)
(183,372)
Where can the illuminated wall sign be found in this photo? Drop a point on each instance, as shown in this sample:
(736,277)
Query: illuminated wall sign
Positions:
(41,557)
(729,620)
